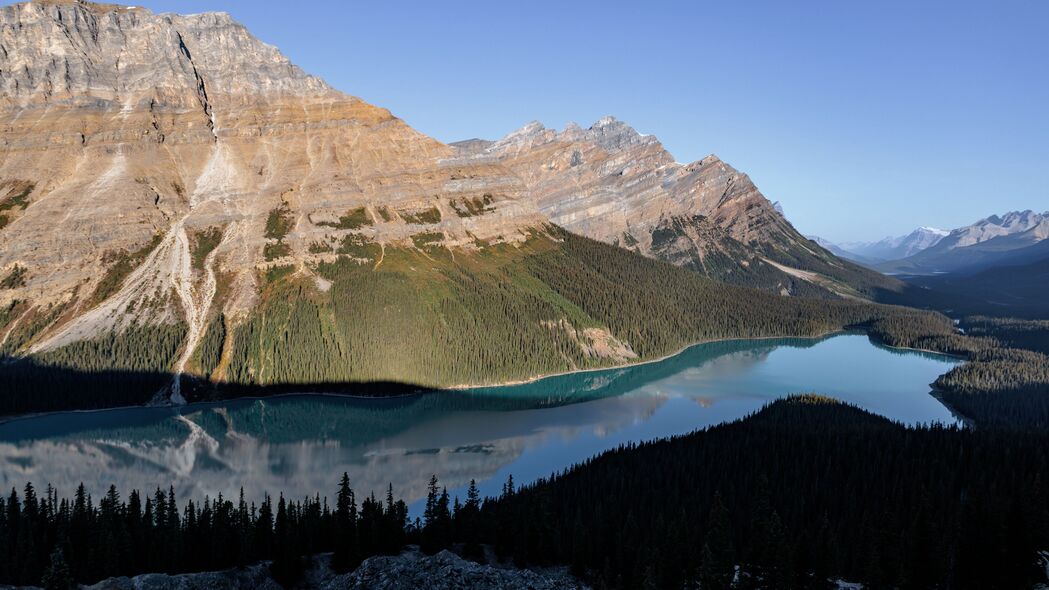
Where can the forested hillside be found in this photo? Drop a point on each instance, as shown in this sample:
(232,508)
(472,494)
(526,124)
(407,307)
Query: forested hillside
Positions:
(429,316)
(1005,382)
(805,491)
(438,317)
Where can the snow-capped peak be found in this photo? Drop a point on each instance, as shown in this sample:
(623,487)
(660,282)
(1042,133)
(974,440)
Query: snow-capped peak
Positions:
(933,230)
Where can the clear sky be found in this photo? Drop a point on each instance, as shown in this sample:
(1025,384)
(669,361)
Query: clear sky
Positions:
(863,118)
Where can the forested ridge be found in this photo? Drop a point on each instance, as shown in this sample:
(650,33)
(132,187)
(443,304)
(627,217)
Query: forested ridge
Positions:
(1005,381)
(805,491)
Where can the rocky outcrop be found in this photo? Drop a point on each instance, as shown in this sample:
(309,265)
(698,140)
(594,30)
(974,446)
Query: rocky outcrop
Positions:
(408,571)
(444,571)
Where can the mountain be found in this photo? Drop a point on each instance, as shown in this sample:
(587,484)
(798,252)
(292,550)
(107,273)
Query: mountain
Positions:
(613,184)
(892,248)
(178,198)
(840,251)
(986,243)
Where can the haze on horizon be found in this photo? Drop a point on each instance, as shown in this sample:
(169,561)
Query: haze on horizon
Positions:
(863,120)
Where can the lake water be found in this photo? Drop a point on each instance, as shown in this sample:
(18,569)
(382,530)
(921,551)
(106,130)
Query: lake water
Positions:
(300,445)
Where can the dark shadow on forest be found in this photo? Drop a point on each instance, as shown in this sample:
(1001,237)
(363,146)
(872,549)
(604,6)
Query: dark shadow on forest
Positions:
(30,387)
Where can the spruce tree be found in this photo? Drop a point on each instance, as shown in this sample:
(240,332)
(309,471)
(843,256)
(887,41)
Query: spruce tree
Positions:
(345,556)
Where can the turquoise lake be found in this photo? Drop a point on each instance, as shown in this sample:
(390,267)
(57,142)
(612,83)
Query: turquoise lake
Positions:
(300,445)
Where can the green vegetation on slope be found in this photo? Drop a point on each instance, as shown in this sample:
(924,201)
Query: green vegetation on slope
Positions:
(354,218)
(121,263)
(275,251)
(432,318)
(202,243)
(31,321)
(209,352)
(472,206)
(278,223)
(15,278)
(423,217)
(17,197)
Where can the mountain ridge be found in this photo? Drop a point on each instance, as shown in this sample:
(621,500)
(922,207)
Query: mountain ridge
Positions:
(979,245)
(892,247)
(177,196)
(613,184)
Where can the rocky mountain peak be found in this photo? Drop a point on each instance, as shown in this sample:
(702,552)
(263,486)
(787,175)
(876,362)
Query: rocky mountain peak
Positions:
(59,51)
(615,136)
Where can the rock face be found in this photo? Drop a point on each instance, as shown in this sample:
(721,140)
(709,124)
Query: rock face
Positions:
(161,170)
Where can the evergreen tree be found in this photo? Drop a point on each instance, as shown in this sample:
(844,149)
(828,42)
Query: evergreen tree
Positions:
(345,556)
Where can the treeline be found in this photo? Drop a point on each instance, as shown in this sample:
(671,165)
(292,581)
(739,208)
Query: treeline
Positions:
(52,541)
(721,257)
(804,492)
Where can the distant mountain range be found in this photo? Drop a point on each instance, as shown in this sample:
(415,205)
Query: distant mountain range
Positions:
(889,248)
(893,248)
(1015,238)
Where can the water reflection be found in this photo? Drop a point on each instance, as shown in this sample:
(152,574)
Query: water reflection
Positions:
(299,444)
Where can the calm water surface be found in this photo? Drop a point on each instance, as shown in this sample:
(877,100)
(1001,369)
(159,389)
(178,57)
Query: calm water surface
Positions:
(300,445)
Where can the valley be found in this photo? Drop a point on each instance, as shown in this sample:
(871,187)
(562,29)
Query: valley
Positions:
(555,358)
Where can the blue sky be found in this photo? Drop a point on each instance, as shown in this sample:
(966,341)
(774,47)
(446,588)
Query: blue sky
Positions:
(862,118)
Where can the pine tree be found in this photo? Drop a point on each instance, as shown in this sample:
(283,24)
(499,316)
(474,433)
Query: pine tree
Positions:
(287,563)
(345,556)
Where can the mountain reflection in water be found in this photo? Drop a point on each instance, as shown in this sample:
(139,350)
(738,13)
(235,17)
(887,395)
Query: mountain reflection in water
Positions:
(299,445)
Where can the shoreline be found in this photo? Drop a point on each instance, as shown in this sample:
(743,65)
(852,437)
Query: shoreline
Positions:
(472,387)
(959,357)
(678,352)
